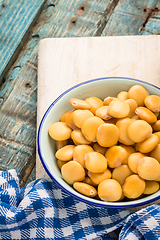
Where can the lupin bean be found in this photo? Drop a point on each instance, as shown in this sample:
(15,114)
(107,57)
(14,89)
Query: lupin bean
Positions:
(138,93)
(151,187)
(156,153)
(79,116)
(59,131)
(72,172)
(139,130)
(133,105)
(102,112)
(152,102)
(109,190)
(95,162)
(118,108)
(99,177)
(122,125)
(107,135)
(65,153)
(90,126)
(145,114)
(147,145)
(79,104)
(85,189)
(123,95)
(78,137)
(133,160)
(115,156)
(95,103)
(134,186)
(79,153)
(148,168)
(121,173)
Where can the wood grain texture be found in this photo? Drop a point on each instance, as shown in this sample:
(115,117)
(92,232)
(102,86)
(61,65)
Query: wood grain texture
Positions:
(134,17)
(18,95)
(16,19)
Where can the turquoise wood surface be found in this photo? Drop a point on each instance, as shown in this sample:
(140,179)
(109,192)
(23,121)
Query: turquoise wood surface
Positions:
(16,18)
(60,18)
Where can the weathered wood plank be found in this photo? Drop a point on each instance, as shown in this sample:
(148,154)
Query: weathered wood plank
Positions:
(16,19)
(133,17)
(19,91)
(14,155)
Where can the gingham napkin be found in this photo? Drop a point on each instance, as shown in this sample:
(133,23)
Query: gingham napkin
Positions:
(41,210)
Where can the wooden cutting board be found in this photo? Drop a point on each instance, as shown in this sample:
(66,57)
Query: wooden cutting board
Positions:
(64,62)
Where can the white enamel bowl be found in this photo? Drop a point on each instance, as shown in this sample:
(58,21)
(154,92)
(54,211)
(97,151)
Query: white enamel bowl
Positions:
(101,88)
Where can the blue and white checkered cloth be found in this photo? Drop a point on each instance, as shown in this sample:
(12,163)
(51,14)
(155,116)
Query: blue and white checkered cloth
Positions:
(41,210)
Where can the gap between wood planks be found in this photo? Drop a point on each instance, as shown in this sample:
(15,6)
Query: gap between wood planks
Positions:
(150,13)
(105,17)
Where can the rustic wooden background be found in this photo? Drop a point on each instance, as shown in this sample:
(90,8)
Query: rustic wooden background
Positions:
(22,25)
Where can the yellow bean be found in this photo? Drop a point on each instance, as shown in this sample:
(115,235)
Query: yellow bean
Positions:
(69,121)
(139,131)
(151,187)
(65,153)
(152,102)
(134,186)
(148,168)
(102,112)
(99,177)
(60,163)
(145,114)
(79,116)
(157,134)
(123,95)
(60,144)
(79,153)
(95,162)
(78,137)
(118,109)
(108,100)
(129,150)
(133,160)
(109,190)
(115,156)
(90,126)
(156,153)
(100,149)
(148,145)
(107,135)
(85,189)
(122,125)
(133,105)
(156,126)
(138,93)
(63,117)
(121,173)
(72,172)
(95,103)
(59,131)
(89,181)
(79,104)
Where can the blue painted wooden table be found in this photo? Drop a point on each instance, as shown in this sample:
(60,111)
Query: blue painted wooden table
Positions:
(22,25)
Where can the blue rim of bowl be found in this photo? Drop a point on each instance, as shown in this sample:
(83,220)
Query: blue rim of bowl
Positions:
(100,204)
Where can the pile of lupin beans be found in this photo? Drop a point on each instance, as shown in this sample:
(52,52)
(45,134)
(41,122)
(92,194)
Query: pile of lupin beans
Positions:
(109,148)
